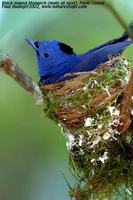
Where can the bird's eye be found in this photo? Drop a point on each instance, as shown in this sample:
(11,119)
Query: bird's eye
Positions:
(46,55)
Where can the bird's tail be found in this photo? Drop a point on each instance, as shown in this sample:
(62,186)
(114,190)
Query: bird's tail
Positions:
(125,34)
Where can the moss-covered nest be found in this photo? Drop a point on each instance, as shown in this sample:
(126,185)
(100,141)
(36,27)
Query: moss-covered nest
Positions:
(95,113)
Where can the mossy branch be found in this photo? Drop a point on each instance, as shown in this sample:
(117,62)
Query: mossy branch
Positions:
(9,67)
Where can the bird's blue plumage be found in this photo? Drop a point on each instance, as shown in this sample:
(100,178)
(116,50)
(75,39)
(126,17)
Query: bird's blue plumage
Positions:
(55,59)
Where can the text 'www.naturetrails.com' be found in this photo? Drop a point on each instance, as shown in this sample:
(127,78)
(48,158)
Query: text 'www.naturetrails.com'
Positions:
(50,4)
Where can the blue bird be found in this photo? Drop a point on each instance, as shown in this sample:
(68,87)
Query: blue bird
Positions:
(55,59)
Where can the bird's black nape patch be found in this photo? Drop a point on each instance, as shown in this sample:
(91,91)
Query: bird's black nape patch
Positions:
(65,48)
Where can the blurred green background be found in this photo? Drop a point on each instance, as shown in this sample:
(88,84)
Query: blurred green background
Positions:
(33,154)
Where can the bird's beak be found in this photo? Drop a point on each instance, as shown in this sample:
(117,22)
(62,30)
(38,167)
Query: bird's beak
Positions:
(33,43)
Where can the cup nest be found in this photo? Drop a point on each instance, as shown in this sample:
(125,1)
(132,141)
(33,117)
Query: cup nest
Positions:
(94,110)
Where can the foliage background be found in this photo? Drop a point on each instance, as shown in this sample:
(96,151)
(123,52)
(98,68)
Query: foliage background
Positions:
(33,154)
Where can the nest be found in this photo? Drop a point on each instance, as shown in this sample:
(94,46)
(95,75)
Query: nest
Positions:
(94,110)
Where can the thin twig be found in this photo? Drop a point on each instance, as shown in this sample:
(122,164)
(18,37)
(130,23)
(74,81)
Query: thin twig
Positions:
(119,18)
(125,116)
(9,67)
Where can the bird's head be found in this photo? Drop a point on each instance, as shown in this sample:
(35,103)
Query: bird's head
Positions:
(54,58)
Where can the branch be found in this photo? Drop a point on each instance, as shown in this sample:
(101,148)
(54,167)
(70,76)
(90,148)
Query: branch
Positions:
(125,116)
(9,67)
(119,18)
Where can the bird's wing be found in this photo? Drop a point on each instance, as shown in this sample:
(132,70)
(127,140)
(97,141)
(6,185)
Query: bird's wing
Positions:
(90,60)
(108,43)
